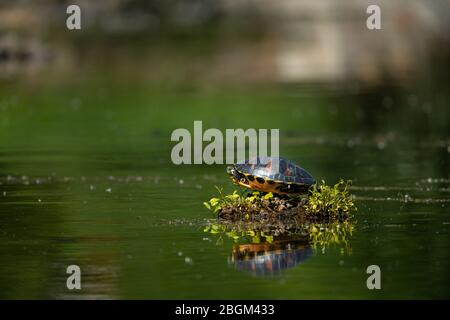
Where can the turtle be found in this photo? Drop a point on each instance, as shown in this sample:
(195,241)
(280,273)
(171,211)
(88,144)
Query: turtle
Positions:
(264,175)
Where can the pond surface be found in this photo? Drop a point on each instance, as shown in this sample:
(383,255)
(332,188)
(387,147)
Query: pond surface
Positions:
(86,179)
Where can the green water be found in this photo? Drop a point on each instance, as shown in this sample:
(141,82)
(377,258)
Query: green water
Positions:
(86,179)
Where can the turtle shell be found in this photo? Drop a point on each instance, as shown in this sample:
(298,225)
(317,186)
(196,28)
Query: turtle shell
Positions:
(274,174)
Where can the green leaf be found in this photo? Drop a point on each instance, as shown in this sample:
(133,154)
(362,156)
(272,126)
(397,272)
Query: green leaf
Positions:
(268,196)
(214,201)
(256,239)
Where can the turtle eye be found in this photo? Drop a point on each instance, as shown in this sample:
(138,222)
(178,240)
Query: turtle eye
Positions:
(230,170)
(243,180)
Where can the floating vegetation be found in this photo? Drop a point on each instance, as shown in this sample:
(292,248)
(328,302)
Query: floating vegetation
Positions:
(322,218)
(330,202)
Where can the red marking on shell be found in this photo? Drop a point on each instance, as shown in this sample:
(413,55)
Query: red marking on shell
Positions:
(288,171)
(269,166)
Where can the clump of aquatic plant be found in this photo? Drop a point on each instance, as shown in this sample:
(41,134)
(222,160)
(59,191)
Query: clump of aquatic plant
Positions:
(236,206)
(255,201)
(330,201)
(324,202)
(260,216)
(321,218)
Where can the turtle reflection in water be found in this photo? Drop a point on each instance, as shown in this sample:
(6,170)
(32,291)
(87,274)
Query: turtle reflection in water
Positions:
(268,259)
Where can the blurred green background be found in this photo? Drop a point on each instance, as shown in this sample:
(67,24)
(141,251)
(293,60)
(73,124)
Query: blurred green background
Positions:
(85,123)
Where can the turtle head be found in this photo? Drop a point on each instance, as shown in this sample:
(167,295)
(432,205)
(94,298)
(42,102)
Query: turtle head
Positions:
(231,171)
(234,174)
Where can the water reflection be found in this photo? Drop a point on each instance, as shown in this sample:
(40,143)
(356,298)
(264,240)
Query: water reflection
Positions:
(276,253)
(269,259)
